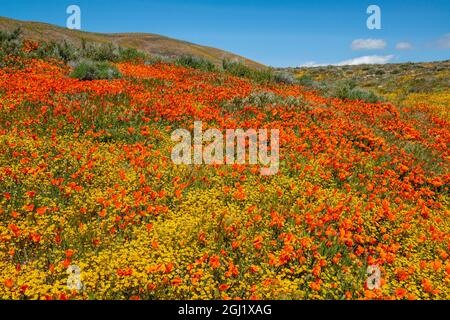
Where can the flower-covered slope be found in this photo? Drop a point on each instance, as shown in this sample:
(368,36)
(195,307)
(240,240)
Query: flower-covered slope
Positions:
(86,180)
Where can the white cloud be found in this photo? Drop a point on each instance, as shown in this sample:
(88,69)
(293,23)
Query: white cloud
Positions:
(368,44)
(312,64)
(352,62)
(444,42)
(404,46)
(366,60)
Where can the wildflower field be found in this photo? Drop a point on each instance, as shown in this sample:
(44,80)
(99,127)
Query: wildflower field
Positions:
(86,180)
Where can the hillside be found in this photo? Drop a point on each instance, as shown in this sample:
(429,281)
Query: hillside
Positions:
(401,83)
(149,43)
(94,204)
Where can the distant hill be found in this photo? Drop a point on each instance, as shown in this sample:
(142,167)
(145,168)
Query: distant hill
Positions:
(147,42)
(386,78)
(401,83)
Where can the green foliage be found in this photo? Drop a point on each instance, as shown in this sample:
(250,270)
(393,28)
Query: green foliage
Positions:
(109,52)
(265,75)
(348,90)
(240,70)
(63,51)
(306,81)
(344,89)
(130,54)
(95,70)
(393,81)
(155,59)
(10,43)
(196,63)
(263,100)
(284,77)
(10,36)
(102,52)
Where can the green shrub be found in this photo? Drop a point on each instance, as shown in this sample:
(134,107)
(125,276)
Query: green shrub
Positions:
(364,95)
(109,52)
(10,35)
(196,63)
(284,77)
(240,70)
(306,81)
(64,51)
(349,90)
(130,54)
(263,100)
(94,70)
(11,43)
(154,59)
(100,52)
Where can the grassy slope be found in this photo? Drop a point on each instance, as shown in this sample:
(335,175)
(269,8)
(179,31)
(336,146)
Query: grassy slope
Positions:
(396,82)
(150,43)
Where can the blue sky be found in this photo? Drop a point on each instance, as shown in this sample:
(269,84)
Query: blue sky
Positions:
(277,33)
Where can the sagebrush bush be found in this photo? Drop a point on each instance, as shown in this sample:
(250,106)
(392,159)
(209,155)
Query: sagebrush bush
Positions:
(238,69)
(306,81)
(10,35)
(196,63)
(130,54)
(261,100)
(10,43)
(349,90)
(284,77)
(99,52)
(63,51)
(95,70)
(155,59)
